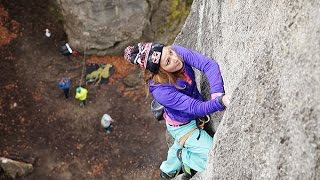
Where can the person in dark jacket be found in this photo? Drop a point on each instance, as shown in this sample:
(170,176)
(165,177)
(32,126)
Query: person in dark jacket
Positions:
(64,85)
(170,77)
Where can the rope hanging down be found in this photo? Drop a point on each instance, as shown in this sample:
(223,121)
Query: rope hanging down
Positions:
(86,34)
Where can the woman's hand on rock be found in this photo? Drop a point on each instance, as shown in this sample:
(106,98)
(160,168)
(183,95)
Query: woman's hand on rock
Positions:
(226,100)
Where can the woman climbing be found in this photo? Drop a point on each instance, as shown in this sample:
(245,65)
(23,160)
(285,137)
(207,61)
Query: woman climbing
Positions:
(171,81)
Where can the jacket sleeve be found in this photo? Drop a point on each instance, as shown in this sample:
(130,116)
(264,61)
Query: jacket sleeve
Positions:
(77,95)
(68,82)
(170,97)
(60,85)
(205,64)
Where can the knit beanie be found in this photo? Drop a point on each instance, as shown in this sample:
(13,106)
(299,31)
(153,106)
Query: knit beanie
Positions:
(147,55)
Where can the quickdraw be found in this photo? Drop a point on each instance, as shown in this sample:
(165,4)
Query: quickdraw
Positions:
(203,120)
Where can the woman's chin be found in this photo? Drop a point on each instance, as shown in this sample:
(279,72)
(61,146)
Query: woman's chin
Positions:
(180,66)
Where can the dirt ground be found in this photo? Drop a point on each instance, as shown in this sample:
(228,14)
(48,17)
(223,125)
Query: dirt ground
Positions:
(64,141)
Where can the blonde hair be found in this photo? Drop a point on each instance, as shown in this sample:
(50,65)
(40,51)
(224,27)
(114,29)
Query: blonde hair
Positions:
(163,77)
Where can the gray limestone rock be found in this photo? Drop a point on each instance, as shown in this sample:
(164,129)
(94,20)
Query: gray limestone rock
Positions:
(269,55)
(133,79)
(13,169)
(106,26)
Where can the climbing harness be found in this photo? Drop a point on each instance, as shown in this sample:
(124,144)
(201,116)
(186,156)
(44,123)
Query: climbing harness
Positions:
(183,139)
(202,121)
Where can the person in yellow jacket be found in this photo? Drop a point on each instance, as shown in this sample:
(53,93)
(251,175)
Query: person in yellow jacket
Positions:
(81,94)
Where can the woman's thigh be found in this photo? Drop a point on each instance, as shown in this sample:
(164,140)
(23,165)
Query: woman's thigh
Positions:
(199,144)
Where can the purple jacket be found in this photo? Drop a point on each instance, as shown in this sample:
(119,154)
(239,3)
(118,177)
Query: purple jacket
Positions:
(187,104)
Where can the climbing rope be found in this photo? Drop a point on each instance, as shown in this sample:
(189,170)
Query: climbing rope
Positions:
(86,34)
(84,58)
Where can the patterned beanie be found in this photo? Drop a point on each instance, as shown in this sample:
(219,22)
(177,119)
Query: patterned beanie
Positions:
(147,55)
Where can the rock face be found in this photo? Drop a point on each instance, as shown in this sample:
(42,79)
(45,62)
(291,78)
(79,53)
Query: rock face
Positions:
(269,55)
(106,26)
(11,169)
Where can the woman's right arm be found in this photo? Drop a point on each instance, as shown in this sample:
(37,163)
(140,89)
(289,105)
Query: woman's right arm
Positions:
(170,97)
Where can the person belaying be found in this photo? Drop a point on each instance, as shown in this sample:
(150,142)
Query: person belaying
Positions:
(81,95)
(64,85)
(170,78)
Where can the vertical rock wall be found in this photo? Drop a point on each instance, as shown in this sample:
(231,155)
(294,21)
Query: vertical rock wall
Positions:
(106,26)
(99,25)
(269,55)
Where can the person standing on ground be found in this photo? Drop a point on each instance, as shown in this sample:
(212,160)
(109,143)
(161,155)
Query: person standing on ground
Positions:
(81,94)
(170,78)
(64,85)
(106,122)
